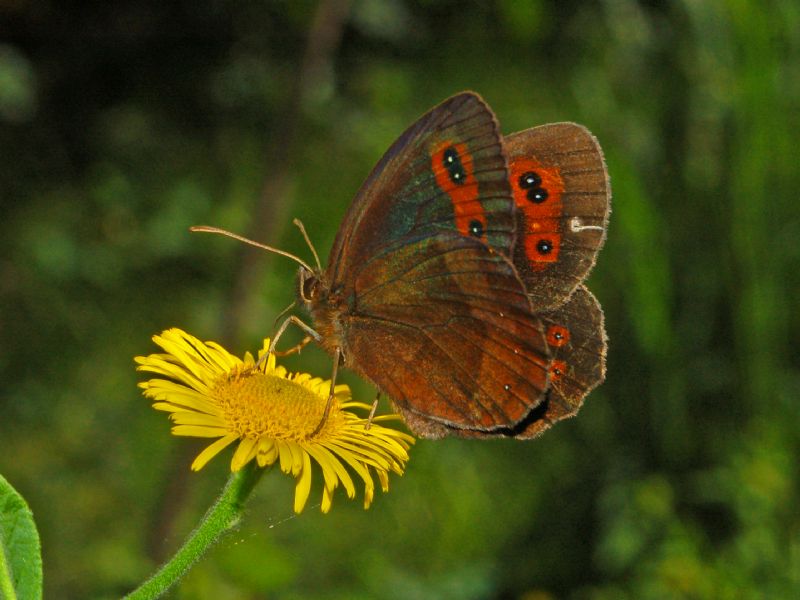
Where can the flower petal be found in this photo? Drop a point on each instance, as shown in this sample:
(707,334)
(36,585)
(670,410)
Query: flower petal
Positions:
(245,452)
(322,454)
(303,485)
(187,417)
(267,452)
(211,451)
(328,472)
(358,467)
(195,431)
(298,457)
(285,455)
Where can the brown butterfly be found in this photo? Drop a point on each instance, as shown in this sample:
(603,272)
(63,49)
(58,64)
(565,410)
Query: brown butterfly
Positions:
(454,282)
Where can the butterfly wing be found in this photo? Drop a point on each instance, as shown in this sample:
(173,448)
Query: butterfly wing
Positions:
(431,308)
(577,340)
(560,185)
(447,334)
(446,172)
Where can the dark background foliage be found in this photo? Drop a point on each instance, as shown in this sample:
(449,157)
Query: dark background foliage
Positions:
(123,123)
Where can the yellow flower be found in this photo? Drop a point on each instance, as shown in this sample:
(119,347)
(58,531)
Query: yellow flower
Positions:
(273,413)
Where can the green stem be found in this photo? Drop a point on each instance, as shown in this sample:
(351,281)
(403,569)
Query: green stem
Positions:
(223,516)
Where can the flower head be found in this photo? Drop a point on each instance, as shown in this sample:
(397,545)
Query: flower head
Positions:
(275,415)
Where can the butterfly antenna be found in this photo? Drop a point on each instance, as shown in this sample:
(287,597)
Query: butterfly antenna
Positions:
(209,229)
(302,229)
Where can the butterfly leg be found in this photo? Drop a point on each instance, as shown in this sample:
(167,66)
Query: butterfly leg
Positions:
(293,319)
(306,340)
(336,356)
(282,313)
(372,410)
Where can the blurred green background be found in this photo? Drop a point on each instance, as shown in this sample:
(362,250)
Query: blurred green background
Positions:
(123,123)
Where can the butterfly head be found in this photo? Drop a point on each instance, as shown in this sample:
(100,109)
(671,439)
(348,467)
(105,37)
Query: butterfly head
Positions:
(311,286)
(325,305)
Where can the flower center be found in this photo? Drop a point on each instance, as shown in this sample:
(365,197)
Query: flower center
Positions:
(259,405)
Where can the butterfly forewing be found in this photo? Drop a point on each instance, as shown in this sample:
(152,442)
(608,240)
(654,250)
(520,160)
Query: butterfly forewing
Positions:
(447,172)
(560,186)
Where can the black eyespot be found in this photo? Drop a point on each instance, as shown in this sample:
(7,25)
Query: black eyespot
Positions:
(558,335)
(476,228)
(537,195)
(529,180)
(452,163)
(544,246)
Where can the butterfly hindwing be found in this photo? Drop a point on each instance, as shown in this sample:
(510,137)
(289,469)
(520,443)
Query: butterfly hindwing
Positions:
(560,186)
(576,337)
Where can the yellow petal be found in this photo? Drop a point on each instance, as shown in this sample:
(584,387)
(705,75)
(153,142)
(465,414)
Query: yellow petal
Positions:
(195,431)
(327,499)
(267,452)
(211,451)
(303,485)
(245,452)
(324,457)
(360,469)
(185,417)
(298,457)
(285,455)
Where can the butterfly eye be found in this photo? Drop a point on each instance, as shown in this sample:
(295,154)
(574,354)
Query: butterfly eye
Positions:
(308,285)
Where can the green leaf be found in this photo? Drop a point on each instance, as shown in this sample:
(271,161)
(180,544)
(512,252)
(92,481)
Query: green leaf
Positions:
(20,551)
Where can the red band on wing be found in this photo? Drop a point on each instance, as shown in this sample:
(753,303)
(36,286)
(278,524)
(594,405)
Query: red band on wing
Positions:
(453,168)
(537,193)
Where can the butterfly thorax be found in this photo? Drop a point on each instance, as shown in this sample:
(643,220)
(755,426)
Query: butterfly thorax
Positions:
(326,306)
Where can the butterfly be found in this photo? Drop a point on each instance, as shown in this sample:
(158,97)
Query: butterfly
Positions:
(454,283)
